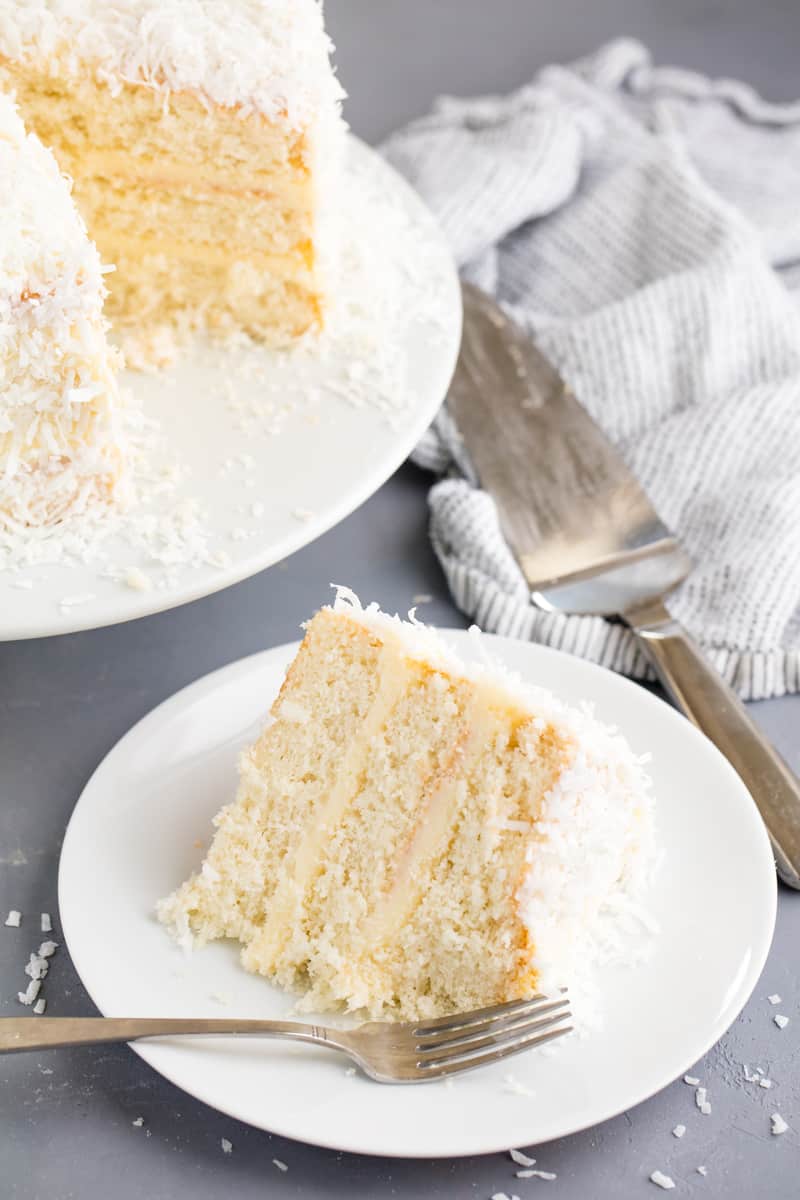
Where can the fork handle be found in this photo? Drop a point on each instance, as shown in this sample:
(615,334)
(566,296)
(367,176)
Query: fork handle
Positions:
(710,704)
(44,1033)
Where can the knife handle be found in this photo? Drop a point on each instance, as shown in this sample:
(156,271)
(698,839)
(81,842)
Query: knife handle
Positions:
(710,704)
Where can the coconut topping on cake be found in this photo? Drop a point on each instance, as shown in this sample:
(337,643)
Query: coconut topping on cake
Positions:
(269,56)
(60,446)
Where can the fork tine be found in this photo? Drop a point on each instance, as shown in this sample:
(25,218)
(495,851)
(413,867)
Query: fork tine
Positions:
(495,1025)
(455,1066)
(476,1016)
(509,1036)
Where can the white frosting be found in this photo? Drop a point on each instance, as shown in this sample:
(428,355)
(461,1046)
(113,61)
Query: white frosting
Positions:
(57,425)
(270,56)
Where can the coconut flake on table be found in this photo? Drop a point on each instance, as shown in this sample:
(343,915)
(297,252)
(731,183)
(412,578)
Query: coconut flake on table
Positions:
(663,1181)
(46,923)
(780,1020)
(777,1125)
(522,1160)
(40,1006)
(227,1146)
(702,1170)
(679,1131)
(774,998)
(14,919)
(692,1080)
(30,993)
(138,1122)
(280,1165)
(702,1101)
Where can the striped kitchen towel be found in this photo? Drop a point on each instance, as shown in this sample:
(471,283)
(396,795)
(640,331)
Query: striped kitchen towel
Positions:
(644,224)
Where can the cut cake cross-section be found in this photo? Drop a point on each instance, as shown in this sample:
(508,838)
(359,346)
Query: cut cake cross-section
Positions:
(413,835)
(61,448)
(203,137)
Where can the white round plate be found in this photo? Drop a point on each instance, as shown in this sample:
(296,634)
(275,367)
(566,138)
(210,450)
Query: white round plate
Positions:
(260,452)
(137,832)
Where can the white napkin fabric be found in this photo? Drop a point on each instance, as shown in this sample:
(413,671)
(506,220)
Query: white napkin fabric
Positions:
(644,224)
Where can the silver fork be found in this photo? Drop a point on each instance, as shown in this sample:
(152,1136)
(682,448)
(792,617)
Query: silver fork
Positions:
(388,1051)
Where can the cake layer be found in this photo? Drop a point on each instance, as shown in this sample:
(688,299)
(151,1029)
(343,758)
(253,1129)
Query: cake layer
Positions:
(93,126)
(284,793)
(150,289)
(412,836)
(231,220)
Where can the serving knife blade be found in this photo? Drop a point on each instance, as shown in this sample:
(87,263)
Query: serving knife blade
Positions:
(588,540)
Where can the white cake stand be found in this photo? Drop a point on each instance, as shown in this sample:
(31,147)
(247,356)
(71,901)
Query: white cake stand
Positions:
(253,454)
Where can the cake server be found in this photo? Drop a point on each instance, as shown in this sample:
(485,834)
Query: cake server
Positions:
(589,541)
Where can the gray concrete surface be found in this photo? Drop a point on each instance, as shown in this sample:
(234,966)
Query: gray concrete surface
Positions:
(65,1117)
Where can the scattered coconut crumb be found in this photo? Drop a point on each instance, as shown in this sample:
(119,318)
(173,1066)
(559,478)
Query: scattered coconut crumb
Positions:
(765,1083)
(692,1080)
(14,918)
(548,1175)
(30,993)
(47,924)
(74,601)
(138,580)
(510,1084)
(663,1181)
(522,1160)
(778,1125)
(40,1006)
(702,1170)
(702,1102)
(280,1165)
(780,1020)
(138,1122)
(48,949)
(679,1131)
(227,1147)
(774,998)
